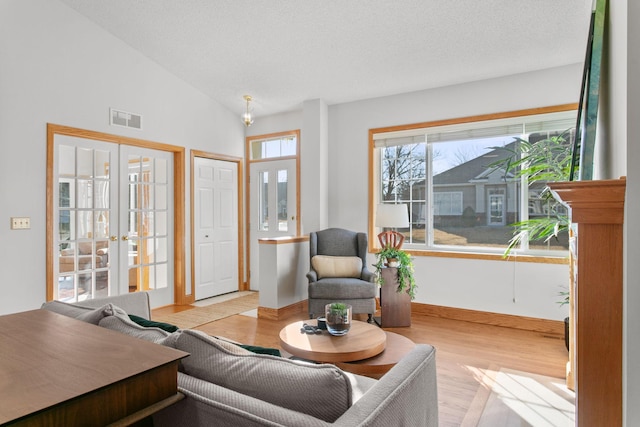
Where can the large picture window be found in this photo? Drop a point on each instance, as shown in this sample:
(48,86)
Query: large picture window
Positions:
(457,196)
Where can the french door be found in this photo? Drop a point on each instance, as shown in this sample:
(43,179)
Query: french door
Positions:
(112,216)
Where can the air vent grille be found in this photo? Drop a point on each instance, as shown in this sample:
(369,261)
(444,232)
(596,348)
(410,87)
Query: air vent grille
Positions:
(125,119)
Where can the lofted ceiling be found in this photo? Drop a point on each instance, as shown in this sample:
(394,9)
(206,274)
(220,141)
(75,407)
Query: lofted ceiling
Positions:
(283,52)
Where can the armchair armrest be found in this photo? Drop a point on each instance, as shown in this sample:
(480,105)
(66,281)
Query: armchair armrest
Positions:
(368,276)
(312,276)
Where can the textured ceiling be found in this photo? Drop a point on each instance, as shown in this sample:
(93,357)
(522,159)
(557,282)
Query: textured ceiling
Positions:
(283,52)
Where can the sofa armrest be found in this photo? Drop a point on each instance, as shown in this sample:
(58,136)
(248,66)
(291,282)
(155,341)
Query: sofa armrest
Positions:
(385,404)
(136,303)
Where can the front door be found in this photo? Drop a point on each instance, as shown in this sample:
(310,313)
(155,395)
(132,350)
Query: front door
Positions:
(496,209)
(273,204)
(216,227)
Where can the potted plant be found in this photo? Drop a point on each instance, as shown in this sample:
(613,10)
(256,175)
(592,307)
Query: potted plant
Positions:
(404,264)
(338,318)
(546,160)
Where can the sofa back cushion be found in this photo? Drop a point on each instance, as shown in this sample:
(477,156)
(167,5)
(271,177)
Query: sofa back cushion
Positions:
(322,391)
(337,266)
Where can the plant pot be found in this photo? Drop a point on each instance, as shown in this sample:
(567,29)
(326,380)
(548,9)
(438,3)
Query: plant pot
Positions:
(393,262)
(338,318)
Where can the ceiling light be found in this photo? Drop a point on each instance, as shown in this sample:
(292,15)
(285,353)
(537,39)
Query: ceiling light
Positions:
(247,118)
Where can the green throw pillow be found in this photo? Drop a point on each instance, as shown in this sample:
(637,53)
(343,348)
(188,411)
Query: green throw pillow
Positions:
(261,350)
(151,324)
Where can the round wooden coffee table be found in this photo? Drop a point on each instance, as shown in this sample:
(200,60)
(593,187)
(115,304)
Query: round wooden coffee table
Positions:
(363,341)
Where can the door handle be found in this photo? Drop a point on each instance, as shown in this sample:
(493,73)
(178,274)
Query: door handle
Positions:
(125,237)
(113,238)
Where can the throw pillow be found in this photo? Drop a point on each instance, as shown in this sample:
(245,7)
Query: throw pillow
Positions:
(337,266)
(261,350)
(121,323)
(322,391)
(151,324)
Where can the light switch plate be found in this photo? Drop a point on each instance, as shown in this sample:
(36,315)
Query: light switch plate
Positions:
(20,223)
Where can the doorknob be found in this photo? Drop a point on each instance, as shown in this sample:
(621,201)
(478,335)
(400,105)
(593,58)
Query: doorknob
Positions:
(113,238)
(293,218)
(125,237)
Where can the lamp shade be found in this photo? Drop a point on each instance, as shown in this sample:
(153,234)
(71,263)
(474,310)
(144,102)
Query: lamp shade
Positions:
(392,216)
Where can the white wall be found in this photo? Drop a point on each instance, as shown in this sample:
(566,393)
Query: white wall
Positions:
(60,68)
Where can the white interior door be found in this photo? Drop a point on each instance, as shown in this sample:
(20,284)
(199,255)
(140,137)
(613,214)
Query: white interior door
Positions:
(273,204)
(216,227)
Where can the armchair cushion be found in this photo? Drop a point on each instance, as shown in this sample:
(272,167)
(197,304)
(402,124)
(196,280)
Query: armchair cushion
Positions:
(341,288)
(337,266)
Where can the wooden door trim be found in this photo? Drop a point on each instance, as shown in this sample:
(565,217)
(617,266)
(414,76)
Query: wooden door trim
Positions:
(179,273)
(212,156)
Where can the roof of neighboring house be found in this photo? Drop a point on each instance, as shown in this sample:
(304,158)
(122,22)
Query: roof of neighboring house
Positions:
(475,169)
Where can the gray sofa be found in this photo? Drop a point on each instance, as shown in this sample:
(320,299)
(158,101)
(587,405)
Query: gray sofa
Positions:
(224,386)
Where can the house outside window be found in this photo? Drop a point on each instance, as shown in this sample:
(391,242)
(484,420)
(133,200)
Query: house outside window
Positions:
(457,199)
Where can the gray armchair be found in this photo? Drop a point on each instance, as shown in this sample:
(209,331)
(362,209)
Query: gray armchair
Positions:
(337,252)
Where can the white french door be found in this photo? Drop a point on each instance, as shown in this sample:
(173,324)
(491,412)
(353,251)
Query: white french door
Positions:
(273,204)
(112,220)
(146,223)
(215,227)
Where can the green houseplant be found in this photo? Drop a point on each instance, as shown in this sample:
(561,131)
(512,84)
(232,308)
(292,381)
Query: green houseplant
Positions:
(406,280)
(338,318)
(546,160)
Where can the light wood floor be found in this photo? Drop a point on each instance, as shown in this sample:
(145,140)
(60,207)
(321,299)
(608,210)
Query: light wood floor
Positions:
(464,350)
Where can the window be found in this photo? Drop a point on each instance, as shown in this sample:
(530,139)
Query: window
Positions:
(275,147)
(458,197)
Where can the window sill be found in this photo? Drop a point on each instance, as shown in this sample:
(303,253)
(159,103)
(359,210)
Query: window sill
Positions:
(542,259)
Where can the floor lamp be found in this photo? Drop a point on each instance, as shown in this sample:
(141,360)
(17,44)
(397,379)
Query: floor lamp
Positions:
(391,216)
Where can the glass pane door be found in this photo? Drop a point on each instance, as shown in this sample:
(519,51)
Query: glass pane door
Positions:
(83,217)
(146,204)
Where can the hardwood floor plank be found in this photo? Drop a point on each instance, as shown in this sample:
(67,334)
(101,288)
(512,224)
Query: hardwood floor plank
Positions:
(465,351)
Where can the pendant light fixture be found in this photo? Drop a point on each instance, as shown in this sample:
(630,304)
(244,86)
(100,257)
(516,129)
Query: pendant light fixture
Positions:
(247,118)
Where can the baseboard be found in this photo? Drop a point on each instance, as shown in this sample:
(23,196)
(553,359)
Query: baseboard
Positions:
(280,313)
(545,326)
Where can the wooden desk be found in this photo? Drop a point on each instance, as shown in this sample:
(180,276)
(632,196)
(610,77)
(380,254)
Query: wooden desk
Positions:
(55,370)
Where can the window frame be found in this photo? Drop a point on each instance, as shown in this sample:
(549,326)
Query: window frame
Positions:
(455,251)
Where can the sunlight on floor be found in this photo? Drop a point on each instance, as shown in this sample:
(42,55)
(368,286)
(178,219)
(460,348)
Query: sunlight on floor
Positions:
(514,398)
(537,400)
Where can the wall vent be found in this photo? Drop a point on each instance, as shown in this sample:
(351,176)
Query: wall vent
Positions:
(124,119)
